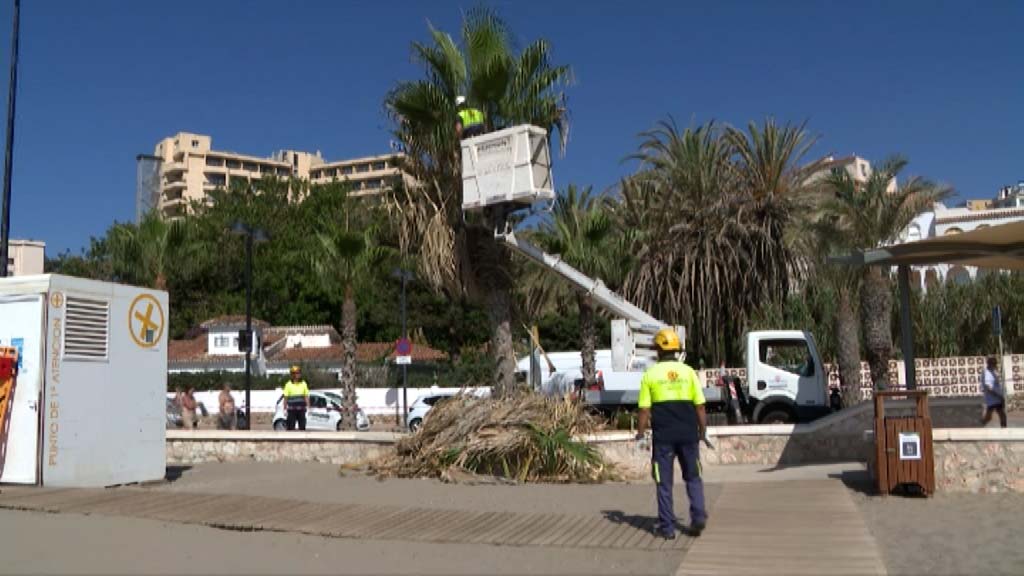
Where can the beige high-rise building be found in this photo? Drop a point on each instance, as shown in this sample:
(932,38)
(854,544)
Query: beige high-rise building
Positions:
(185,168)
(25,257)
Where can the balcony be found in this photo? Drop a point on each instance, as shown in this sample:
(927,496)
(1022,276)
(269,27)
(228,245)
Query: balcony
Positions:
(174,167)
(175,185)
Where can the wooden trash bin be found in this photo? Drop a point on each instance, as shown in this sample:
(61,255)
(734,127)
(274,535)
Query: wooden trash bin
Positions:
(903,445)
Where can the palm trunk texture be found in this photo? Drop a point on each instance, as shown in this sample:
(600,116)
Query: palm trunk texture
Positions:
(587,339)
(876,309)
(499,307)
(848,339)
(348,369)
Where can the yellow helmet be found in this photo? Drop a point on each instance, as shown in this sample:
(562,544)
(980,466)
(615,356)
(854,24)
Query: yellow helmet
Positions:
(667,340)
(296,368)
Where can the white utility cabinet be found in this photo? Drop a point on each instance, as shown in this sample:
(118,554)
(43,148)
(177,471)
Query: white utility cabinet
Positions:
(508,167)
(89,406)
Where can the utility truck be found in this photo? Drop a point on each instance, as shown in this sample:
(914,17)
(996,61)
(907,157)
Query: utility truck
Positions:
(509,171)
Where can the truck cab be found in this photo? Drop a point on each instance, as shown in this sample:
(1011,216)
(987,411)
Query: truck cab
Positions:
(786,380)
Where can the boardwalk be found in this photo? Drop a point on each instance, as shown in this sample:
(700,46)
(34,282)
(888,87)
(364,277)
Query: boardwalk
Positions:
(247,513)
(792,527)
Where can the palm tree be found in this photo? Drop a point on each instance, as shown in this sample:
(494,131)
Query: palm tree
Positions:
(582,233)
(458,255)
(870,215)
(343,256)
(713,210)
(144,254)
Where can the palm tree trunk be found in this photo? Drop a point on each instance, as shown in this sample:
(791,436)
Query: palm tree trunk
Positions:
(587,339)
(848,341)
(499,307)
(876,309)
(348,368)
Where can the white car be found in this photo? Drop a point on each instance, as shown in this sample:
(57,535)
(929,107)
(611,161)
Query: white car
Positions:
(324,413)
(418,409)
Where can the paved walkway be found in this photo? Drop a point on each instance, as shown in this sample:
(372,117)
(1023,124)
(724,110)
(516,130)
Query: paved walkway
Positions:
(764,521)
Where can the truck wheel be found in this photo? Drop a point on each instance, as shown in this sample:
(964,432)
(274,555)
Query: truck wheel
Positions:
(777,416)
(414,425)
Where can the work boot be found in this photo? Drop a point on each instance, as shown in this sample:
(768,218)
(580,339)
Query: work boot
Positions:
(697,527)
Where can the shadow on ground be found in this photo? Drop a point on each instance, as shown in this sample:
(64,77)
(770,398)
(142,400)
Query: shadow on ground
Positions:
(643,523)
(175,472)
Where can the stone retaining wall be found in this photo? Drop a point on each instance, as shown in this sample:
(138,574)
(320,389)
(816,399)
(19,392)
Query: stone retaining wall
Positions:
(982,460)
(188,447)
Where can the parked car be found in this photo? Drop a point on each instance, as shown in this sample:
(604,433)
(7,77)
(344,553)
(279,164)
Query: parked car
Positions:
(323,413)
(418,409)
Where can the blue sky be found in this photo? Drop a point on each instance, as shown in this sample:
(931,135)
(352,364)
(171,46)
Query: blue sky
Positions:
(104,80)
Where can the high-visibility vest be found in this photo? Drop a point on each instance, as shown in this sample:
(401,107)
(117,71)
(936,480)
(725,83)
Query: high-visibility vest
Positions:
(295,393)
(672,391)
(471,117)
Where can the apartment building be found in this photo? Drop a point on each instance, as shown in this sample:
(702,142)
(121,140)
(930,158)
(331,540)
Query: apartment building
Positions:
(858,168)
(25,257)
(185,168)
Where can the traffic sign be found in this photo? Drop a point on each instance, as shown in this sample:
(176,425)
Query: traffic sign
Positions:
(403,347)
(403,359)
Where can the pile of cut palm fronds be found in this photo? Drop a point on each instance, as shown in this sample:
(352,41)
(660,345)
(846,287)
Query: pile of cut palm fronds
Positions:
(525,437)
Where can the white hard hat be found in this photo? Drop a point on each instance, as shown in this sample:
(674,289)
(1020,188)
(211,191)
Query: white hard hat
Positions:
(460,100)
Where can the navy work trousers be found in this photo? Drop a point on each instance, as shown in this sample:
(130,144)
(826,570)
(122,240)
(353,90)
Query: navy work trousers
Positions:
(664,454)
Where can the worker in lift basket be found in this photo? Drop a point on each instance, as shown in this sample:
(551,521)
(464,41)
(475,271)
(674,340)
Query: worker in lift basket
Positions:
(469,122)
(672,400)
(296,399)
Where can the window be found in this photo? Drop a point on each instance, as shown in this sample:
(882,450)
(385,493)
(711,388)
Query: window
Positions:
(346,169)
(318,402)
(363,168)
(234,164)
(214,161)
(221,341)
(793,356)
(295,160)
(283,172)
(314,174)
(330,173)
(379,165)
(251,167)
(195,143)
(216,179)
(864,170)
(371,184)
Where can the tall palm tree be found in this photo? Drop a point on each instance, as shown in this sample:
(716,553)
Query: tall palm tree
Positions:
(344,254)
(582,233)
(145,253)
(870,215)
(713,210)
(457,254)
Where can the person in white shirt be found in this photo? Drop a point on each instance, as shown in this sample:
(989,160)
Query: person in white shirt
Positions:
(995,396)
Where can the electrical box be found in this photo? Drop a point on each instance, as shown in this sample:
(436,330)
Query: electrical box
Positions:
(87,404)
(510,167)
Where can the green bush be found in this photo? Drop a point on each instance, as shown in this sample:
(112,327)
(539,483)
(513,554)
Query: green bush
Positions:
(203,381)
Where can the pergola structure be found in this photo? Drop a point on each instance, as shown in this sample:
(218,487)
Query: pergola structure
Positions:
(997,247)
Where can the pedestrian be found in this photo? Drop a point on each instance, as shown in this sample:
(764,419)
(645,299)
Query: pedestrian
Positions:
(469,121)
(228,416)
(995,396)
(188,409)
(672,400)
(296,399)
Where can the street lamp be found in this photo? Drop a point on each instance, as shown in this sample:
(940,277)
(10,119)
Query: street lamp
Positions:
(251,235)
(405,276)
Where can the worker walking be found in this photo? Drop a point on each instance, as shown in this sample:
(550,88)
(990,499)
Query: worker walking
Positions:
(469,121)
(672,400)
(296,399)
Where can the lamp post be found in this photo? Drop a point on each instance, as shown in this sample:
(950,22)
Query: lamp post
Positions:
(5,213)
(251,235)
(405,276)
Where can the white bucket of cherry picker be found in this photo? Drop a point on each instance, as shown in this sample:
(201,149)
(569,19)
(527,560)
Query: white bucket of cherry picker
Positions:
(508,167)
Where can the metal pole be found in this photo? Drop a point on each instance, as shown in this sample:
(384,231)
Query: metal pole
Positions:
(405,367)
(5,218)
(248,328)
(907,328)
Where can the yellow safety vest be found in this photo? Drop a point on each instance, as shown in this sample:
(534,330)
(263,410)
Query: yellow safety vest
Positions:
(471,117)
(297,390)
(672,391)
